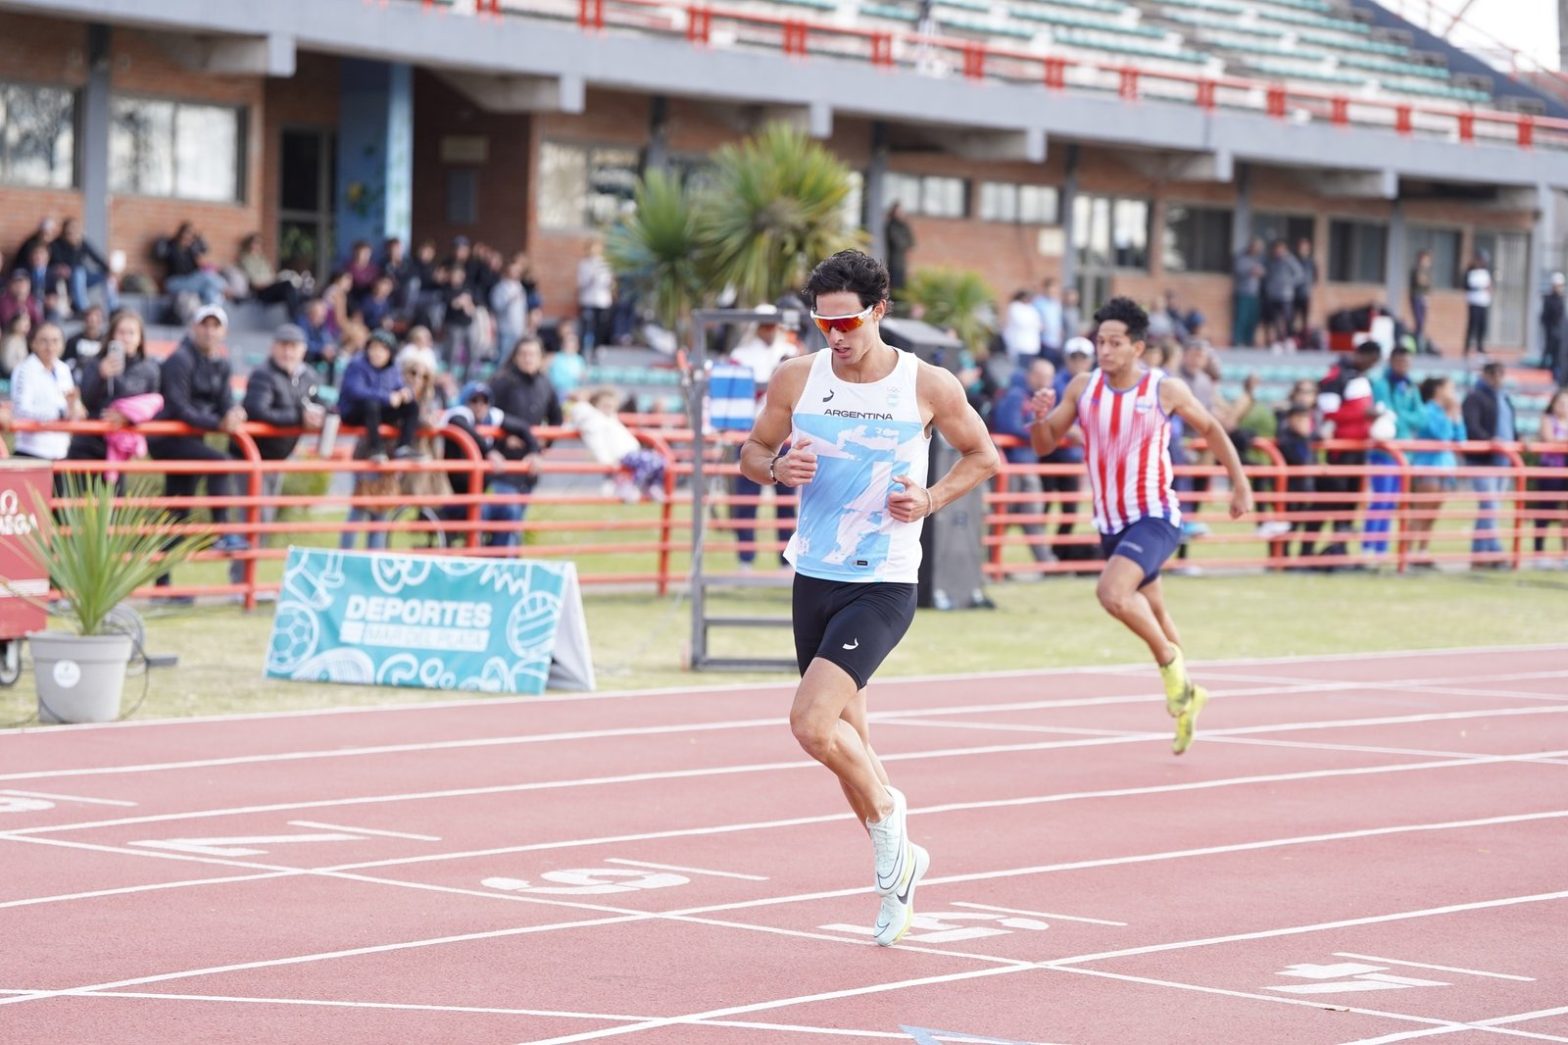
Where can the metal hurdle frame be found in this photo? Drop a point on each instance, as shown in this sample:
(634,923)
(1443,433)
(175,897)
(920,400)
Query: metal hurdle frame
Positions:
(695,384)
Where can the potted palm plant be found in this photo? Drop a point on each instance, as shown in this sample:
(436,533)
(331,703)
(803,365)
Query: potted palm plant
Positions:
(97,549)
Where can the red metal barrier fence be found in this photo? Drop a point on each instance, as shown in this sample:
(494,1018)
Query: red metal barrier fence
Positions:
(648,545)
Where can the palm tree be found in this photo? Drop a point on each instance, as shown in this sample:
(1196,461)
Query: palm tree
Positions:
(956,300)
(774,208)
(658,246)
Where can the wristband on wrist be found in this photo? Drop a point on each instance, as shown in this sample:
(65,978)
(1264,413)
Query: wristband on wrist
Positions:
(930,502)
(773,464)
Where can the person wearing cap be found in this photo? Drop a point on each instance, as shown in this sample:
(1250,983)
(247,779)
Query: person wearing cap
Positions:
(1554,359)
(473,412)
(197,391)
(282,392)
(374,394)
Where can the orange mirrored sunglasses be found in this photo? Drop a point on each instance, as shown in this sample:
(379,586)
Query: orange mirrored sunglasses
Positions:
(843,324)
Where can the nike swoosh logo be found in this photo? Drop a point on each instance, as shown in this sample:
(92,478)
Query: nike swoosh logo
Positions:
(829,397)
(903,897)
(855,645)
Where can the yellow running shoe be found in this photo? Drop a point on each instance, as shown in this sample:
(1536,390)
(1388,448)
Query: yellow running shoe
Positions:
(1178,687)
(1189,718)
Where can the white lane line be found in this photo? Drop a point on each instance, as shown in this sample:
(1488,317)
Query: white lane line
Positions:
(951,807)
(364,831)
(780,1003)
(687,870)
(1431,1032)
(151,888)
(1347,923)
(1548,757)
(1439,968)
(1434,1025)
(1271,689)
(554,785)
(760,689)
(68,798)
(1034,914)
(335,1004)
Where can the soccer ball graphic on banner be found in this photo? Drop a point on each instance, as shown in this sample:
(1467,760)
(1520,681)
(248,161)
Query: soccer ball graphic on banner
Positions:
(530,628)
(295,632)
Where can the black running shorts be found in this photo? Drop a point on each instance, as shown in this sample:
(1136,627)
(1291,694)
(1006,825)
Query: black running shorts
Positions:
(853,625)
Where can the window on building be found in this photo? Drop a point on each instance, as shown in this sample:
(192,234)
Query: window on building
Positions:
(932,195)
(1111,233)
(1023,204)
(585,186)
(176,149)
(1357,251)
(37,136)
(1197,239)
(1444,245)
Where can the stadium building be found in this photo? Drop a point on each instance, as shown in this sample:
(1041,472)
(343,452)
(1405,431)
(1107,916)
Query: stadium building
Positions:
(1122,146)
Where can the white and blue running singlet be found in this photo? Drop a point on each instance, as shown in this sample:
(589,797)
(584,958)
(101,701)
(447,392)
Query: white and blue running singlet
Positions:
(863,436)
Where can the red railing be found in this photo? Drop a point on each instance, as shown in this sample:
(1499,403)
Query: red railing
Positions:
(886,48)
(615,544)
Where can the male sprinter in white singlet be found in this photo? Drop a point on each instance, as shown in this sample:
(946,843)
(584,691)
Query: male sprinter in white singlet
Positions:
(858,417)
(1124,409)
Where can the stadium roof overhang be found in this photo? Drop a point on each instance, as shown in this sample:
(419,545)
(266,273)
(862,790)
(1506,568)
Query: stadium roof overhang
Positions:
(521,65)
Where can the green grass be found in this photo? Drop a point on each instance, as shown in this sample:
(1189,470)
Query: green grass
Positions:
(638,640)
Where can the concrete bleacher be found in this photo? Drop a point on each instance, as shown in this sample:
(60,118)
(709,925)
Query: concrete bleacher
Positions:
(1320,44)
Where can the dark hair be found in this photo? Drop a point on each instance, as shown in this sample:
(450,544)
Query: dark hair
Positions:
(1298,410)
(1127,312)
(1493,368)
(1430,386)
(1399,352)
(1369,348)
(852,271)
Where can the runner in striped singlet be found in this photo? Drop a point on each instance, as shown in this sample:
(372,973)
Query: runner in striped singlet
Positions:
(1125,411)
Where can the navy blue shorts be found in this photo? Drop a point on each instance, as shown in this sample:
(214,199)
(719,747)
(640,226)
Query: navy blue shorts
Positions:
(853,625)
(1147,542)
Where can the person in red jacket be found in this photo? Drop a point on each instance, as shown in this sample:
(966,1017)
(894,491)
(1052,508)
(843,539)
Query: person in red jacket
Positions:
(1346,402)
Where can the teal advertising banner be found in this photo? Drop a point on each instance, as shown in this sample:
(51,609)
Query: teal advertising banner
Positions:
(433,622)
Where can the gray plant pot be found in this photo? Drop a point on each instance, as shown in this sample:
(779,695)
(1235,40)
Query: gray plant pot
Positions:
(80,677)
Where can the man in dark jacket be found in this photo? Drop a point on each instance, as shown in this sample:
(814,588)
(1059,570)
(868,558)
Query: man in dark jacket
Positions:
(282,392)
(524,395)
(1489,416)
(82,266)
(196,391)
(1554,327)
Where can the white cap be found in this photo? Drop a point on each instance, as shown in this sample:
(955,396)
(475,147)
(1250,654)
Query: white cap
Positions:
(1079,346)
(210,312)
(1557,279)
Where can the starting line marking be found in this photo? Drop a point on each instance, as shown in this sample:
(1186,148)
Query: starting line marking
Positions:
(1439,968)
(364,831)
(1036,914)
(686,870)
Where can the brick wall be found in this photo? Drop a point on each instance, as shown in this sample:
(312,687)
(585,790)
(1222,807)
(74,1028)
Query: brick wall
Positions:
(440,111)
(53,51)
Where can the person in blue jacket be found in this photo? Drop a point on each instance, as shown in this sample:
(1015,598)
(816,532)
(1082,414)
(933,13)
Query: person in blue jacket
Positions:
(374,394)
(1011,417)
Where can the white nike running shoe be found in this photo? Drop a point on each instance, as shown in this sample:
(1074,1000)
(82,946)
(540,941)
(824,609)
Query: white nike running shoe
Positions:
(890,844)
(897,913)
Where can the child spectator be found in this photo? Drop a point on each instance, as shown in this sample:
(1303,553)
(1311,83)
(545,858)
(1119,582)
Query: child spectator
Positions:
(1296,436)
(377,309)
(373,393)
(13,342)
(640,471)
(1441,422)
(567,368)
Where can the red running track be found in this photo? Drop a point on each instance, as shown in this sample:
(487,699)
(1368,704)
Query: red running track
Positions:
(1357,849)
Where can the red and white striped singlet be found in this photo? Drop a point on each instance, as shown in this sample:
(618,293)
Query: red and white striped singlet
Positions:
(1126,440)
